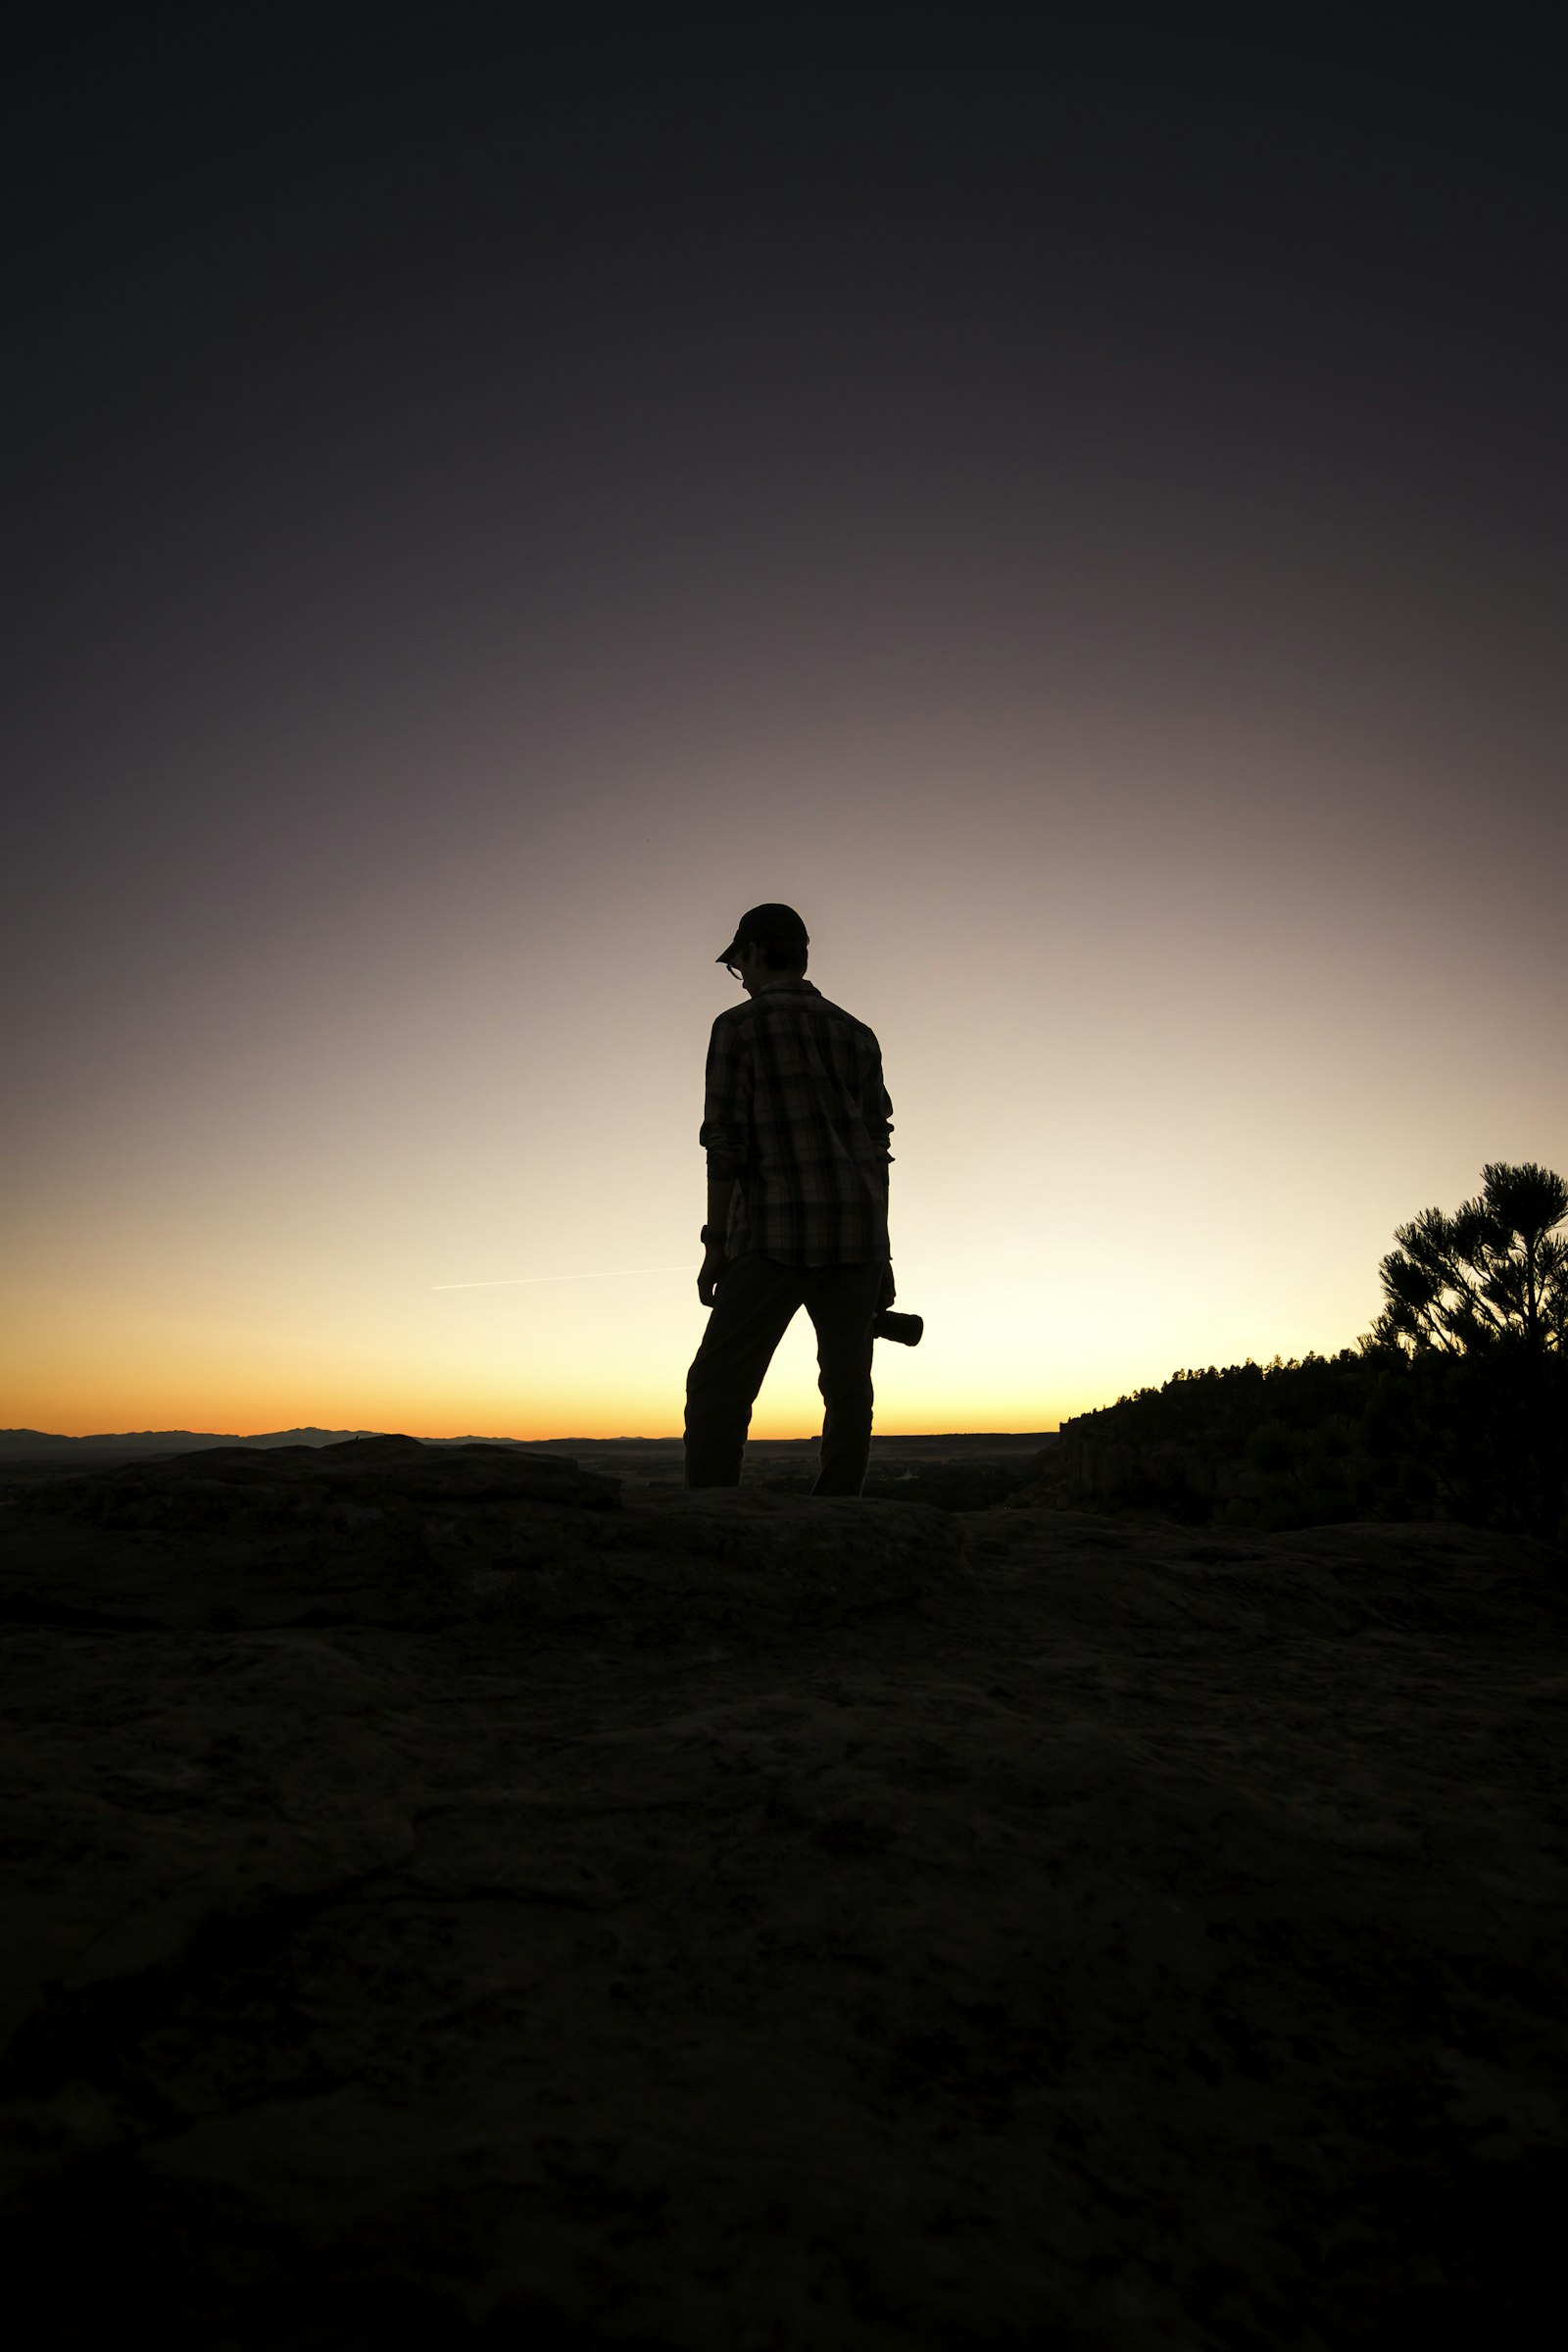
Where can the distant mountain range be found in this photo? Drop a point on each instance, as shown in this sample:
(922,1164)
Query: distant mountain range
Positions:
(38,1444)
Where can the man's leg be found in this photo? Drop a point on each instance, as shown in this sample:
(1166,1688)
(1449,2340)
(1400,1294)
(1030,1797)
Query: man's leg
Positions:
(842,1302)
(749,1315)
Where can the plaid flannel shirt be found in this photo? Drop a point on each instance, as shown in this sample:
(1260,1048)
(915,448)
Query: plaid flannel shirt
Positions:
(797,1111)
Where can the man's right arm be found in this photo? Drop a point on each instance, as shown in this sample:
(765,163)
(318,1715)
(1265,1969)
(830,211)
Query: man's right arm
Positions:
(878,1114)
(876,1104)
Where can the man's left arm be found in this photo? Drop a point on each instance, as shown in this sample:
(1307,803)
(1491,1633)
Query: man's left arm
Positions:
(720,1194)
(725,1127)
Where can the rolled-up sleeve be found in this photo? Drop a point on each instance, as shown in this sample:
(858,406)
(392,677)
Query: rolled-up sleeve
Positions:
(726,1128)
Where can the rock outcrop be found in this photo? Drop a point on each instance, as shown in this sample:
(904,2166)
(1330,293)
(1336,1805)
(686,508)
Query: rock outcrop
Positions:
(459,1899)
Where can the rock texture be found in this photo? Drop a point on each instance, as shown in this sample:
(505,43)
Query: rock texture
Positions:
(459,1899)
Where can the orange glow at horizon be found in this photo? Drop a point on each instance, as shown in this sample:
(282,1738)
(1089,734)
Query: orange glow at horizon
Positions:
(1146,1117)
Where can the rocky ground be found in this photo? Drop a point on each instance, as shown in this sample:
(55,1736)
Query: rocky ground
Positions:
(459,1899)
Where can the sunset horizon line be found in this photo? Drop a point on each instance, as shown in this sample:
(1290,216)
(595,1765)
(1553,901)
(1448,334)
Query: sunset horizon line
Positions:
(477,1438)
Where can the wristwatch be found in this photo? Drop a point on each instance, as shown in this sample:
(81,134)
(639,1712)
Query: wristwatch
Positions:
(707,1240)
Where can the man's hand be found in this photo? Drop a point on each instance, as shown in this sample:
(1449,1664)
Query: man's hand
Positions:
(713,1268)
(889,1289)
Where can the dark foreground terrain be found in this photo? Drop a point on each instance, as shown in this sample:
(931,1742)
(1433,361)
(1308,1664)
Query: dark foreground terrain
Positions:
(457,1900)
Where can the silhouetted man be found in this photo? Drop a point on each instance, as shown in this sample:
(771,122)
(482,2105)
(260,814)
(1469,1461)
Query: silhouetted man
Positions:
(796,1126)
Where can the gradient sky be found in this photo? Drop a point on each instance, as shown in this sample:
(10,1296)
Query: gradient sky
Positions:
(1088,532)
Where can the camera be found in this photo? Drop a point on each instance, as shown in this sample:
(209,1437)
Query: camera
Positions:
(906,1329)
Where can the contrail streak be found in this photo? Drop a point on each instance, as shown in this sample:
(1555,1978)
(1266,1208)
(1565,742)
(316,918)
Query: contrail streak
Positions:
(513,1282)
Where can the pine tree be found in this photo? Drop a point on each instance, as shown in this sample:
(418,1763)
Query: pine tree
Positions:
(1495,1271)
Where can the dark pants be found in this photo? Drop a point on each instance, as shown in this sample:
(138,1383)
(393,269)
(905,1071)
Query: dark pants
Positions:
(755,1301)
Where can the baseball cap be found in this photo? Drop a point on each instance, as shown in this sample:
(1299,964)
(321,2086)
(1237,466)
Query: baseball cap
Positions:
(779,928)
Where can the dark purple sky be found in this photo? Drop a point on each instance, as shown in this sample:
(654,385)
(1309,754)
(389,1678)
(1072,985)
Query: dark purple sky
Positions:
(333,356)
